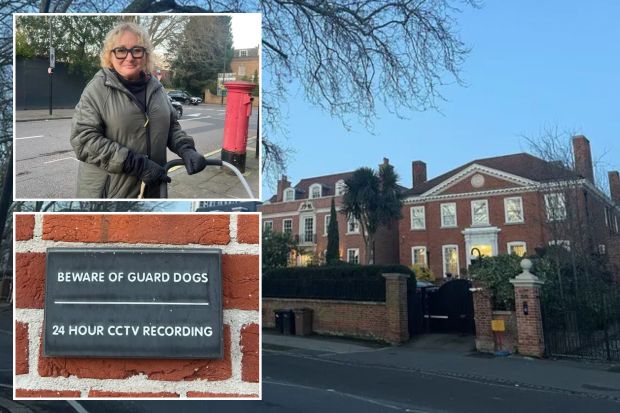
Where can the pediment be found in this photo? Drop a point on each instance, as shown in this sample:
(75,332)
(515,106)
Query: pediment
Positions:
(478,178)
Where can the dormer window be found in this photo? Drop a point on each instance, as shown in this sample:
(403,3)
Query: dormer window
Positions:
(243,53)
(289,194)
(340,187)
(315,191)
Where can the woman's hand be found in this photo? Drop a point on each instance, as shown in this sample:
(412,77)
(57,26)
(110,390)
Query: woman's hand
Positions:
(145,169)
(194,162)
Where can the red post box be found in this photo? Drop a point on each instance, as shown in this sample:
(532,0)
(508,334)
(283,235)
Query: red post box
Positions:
(238,111)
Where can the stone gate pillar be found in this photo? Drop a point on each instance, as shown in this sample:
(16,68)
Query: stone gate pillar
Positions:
(396,308)
(530,337)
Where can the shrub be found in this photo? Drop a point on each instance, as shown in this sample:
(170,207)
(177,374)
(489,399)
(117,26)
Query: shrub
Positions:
(496,272)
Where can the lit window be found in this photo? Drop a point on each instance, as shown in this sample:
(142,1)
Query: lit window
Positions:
(353,255)
(353,226)
(555,205)
(315,191)
(287,226)
(517,247)
(418,256)
(450,259)
(340,187)
(418,217)
(448,215)
(326,227)
(561,242)
(268,226)
(289,194)
(513,210)
(480,212)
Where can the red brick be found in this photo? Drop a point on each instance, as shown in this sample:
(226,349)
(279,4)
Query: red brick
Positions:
(149,229)
(155,369)
(240,276)
(29,280)
(21,348)
(213,395)
(247,229)
(24,227)
(250,351)
(100,393)
(46,393)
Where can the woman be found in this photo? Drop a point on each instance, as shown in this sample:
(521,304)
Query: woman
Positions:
(124,122)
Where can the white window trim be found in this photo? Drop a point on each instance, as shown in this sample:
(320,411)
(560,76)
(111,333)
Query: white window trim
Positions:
(326,224)
(486,203)
(315,186)
(506,221)
(358,226)
(423,217)
(561,242)
(283,226)
(419,247)
(561,196)
(288,191)
(268,223)
(456,222)
(357,253)
(516,244)
(443,259)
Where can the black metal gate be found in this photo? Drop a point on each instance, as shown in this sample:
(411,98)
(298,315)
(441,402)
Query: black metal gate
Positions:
(584,325)
(447,309)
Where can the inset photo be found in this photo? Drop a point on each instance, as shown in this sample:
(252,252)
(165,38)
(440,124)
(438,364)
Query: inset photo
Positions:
(137,106)
(137,306)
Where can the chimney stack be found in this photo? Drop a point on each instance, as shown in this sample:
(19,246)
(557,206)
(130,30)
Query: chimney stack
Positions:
(614,186)
(583,157)
(418,172)
(283,183)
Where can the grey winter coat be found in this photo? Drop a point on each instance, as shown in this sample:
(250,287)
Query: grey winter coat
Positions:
(108,122)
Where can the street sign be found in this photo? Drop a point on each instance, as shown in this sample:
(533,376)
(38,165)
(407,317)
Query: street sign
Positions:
(221,78)
(133,302)
(52,58)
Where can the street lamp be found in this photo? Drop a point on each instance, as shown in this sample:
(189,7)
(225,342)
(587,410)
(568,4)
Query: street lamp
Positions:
(471,253)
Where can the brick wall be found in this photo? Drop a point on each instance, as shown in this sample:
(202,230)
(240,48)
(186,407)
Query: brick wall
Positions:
(384,321)
(236,375)
(333,317)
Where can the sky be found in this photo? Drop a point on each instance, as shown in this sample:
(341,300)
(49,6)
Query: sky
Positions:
(533,65)
(246,30)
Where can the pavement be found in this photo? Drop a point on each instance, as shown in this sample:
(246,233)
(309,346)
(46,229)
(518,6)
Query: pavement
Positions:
(456,358)
(213,183)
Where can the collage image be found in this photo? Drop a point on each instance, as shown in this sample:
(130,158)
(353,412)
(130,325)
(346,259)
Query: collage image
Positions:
(309,206)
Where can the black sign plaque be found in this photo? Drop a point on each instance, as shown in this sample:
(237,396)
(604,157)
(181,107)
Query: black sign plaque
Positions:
(133,302)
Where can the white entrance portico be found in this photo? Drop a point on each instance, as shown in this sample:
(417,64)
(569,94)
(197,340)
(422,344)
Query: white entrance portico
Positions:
(482,238)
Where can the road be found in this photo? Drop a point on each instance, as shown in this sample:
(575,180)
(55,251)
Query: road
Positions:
(46,167)
(308,381)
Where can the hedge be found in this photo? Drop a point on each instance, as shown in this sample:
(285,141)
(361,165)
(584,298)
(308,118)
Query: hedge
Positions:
(334,282)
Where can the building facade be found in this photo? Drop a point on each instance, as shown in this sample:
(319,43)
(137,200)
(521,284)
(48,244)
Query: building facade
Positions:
(303,211)
(245,64)
(507,204)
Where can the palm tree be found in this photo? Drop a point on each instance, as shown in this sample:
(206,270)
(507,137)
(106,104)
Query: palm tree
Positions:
(373,199)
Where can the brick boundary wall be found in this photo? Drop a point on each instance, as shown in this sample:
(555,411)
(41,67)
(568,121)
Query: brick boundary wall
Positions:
(236,376)
(384,321)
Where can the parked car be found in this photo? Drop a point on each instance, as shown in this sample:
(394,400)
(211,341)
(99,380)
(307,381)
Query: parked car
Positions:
(195,100)
(177,106)
(179,96)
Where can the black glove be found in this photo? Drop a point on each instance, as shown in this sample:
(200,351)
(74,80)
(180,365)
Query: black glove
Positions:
(194,162)
(144,169)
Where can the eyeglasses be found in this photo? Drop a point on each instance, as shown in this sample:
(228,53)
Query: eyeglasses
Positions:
(121,52)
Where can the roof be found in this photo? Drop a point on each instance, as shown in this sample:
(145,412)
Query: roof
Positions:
(328,182)
(520,164)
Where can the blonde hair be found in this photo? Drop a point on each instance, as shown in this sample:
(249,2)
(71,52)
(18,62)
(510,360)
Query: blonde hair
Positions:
(116,32)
